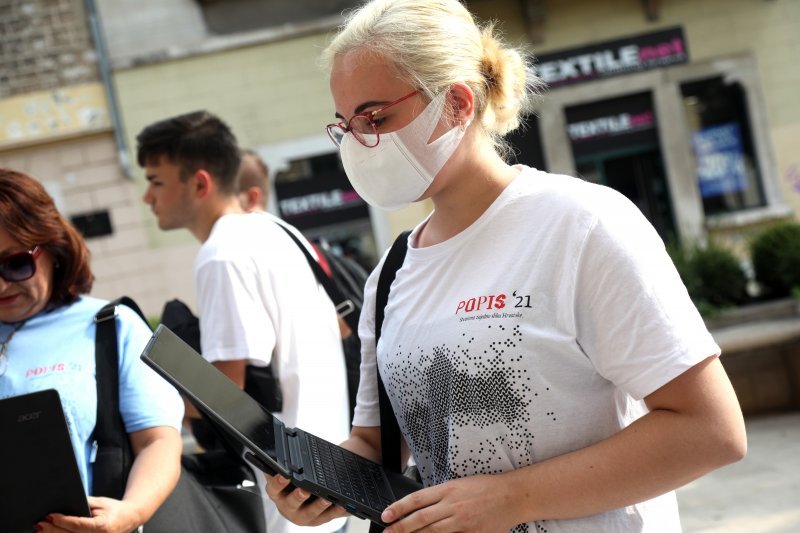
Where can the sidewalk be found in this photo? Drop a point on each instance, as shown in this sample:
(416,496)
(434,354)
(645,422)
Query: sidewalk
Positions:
(759,494)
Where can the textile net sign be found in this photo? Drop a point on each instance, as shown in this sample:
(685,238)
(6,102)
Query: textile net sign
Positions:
(613,58)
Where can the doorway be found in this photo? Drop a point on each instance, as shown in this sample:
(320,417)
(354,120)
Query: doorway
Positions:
(639,174)
(615,143)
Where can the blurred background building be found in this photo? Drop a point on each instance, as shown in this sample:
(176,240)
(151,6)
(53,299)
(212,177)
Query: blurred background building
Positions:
(688,107)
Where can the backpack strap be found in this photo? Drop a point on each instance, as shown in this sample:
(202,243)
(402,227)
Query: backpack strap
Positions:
(390,430)
(113,455)
(344,306)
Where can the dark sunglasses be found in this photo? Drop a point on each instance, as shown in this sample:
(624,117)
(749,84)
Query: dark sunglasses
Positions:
(20,266)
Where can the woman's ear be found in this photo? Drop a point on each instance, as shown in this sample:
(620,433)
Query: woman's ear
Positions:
(462,104)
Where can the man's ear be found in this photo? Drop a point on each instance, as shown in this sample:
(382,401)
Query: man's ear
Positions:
(203,184)
(462,103)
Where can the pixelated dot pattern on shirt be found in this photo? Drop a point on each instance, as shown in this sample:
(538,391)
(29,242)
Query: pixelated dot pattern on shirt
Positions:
(448,392)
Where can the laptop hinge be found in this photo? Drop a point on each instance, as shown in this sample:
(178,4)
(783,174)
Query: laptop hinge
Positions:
(295,458)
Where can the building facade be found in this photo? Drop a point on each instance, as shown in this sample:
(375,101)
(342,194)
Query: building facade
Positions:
(685,106)
(58,124)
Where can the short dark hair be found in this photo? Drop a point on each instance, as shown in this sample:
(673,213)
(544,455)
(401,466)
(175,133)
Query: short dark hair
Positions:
(254,177)
(194,141)
(28,213)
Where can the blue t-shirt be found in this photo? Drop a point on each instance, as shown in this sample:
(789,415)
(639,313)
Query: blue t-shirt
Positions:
(55,350)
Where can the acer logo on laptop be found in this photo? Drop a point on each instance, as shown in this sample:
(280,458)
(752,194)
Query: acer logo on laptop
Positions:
(27,417)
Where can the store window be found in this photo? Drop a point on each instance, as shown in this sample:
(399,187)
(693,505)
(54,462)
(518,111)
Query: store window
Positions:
(315,196)
(615,143)
(722,142)
(315,192)
(525,144)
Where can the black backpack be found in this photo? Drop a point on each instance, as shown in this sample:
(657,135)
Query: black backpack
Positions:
(349,277)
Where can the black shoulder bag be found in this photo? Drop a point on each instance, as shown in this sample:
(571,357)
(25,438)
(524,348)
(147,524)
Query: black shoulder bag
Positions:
(390,429)
(209,496)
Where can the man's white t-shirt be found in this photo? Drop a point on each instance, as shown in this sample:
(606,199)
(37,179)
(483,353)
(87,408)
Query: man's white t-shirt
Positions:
(534,332)
(258,300)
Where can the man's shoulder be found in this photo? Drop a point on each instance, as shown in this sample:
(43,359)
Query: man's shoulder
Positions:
(240,239)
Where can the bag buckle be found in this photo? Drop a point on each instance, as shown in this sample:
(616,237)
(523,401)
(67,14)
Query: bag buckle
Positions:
(345,308)
(105,314)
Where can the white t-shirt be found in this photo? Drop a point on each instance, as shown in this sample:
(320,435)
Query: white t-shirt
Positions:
(258,300)
(534,332)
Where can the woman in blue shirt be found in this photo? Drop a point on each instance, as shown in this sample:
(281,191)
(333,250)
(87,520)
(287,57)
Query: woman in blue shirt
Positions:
(47,337)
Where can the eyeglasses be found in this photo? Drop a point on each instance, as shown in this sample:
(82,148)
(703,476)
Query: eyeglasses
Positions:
(362,126)
(20,266)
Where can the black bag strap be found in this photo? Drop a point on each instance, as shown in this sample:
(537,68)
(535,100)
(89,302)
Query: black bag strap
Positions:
(390,429)
(344,306)
(110,476)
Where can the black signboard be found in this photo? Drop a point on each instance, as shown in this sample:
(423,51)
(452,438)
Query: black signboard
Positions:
(321,199)
(613,124)
(613,58)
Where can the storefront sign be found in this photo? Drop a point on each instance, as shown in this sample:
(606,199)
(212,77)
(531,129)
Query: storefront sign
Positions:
(720,160)
(319,200)
(613,124)
(610,125)
(612,58)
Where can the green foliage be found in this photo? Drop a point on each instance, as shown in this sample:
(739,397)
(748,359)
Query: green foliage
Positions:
(723,282)
(776,259)
(153,322)
(682,258)
(712,274)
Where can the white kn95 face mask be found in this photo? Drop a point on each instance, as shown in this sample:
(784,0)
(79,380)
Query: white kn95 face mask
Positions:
(402,166)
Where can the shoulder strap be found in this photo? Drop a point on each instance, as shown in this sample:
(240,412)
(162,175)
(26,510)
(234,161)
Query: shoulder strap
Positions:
(344,306)
(111,467)
(390,430)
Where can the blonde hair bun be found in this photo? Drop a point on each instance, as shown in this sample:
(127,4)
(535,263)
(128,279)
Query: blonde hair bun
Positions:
(437,43)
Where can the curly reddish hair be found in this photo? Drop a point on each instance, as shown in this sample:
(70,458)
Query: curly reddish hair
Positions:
(29,215)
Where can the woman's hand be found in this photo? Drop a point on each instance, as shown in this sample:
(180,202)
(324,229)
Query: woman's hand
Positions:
(476,503)
(108,516)
(298,506)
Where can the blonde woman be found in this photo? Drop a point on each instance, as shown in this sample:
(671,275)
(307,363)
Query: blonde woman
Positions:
(543,359)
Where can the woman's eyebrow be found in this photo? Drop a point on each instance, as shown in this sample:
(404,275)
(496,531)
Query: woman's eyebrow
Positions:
(362,107)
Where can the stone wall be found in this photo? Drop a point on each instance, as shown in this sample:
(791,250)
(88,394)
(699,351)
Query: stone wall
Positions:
(45,44)
(761,354)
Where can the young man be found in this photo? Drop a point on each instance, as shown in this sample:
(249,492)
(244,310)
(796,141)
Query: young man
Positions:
(253,182)
(258,300)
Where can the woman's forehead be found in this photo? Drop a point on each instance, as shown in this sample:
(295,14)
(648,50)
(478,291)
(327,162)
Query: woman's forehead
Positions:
(358,76)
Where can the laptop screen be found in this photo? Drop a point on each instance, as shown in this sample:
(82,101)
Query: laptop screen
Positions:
(40,473)
(186,369)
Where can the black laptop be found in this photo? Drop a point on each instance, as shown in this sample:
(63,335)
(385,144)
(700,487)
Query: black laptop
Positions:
(324,469)
(39,471)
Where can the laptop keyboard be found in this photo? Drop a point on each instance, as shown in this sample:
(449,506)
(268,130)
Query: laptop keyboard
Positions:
(348,474)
